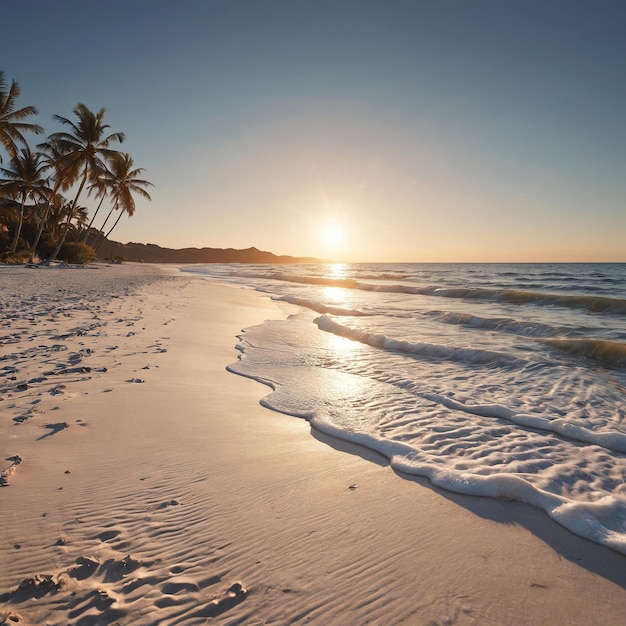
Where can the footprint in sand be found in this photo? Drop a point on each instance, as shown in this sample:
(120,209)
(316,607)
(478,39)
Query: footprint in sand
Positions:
(224,601)
(22,418)
(107,535)
(168,503)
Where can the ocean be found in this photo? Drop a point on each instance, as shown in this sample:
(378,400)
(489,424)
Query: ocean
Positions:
(498,380)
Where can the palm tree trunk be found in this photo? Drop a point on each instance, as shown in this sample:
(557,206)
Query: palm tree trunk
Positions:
(108,216)
(86,235)
(119,217)
(98,242)
(16,237)
(70,217)
(33,246)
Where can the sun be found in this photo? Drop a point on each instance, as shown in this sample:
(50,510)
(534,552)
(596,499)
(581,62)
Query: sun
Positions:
(332,233)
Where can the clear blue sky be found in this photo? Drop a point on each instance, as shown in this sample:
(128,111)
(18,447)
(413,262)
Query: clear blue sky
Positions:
(467,130)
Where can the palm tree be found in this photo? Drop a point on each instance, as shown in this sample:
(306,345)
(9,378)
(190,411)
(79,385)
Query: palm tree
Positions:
(58,211)
(123,182)
(53,198)
(82,151)
(11,128)
(25,177)
(80,219)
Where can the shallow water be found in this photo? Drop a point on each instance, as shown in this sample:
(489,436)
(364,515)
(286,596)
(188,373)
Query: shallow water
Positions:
(504,381)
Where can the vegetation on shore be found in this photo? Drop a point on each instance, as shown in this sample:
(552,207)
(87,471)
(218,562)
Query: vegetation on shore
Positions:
(36,220)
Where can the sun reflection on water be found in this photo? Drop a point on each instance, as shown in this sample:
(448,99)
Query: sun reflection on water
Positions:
(336,295)
(336,270)
(341,344)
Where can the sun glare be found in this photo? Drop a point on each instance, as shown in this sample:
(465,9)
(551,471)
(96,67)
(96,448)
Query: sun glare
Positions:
(332,233)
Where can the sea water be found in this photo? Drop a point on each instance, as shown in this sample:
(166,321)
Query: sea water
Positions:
(505,381)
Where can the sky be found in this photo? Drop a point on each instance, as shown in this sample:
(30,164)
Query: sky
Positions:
(353,130)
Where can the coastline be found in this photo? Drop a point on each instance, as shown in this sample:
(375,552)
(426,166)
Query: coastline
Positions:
(180,499)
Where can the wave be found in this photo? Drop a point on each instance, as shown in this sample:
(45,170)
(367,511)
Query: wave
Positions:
(610,353)
(433,350)
(383,276)
(568,429)
(319,307)
(502,324)
(590,303)
(346,283)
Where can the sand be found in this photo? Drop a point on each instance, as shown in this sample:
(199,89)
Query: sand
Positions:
(146,484)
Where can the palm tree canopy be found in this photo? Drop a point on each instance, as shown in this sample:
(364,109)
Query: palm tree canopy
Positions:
(123,181)
(80,150)
(26,175)
(11,128)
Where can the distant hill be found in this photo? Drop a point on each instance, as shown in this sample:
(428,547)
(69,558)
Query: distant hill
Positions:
(151,253)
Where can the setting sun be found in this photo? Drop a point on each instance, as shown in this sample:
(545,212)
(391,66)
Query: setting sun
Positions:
(332,233)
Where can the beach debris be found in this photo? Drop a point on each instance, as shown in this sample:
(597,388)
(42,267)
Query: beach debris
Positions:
(57,426)
(353,487)
(54,429)
(135,380)
(57,390)
(21,387)
(6,473)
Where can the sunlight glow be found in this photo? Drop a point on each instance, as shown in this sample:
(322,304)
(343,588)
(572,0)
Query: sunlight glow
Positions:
(332,233)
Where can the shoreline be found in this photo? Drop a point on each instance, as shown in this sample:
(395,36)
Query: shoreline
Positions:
(180,499)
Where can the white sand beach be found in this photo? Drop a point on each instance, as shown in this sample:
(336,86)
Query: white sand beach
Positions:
(145,484)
